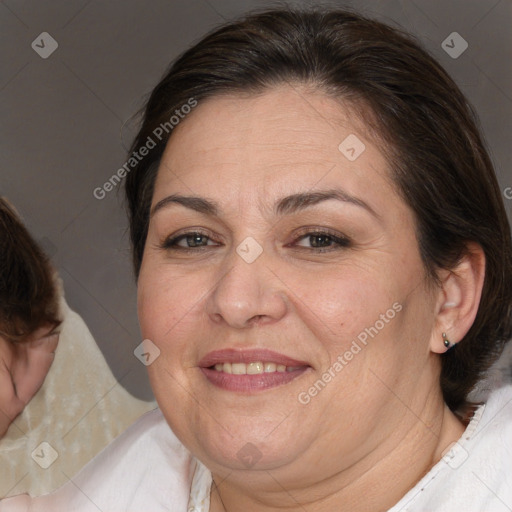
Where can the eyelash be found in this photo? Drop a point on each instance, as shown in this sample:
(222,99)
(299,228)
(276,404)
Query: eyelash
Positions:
(170,243)
(342,242)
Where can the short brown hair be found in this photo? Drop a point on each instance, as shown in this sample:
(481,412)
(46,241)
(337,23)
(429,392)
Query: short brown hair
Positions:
(28,292)
(437,157)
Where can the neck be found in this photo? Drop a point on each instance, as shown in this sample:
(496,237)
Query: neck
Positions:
(376,482)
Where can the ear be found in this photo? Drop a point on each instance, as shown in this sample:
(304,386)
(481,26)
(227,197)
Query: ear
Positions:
(458,299)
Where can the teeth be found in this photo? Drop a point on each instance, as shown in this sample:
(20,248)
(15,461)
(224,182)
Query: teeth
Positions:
(270,367)
(255,368)
(238,368)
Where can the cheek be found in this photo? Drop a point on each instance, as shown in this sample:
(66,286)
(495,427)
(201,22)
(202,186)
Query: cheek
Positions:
(340,306)
(165,299)
(169,315)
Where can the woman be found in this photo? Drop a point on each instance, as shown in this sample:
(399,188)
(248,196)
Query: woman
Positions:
(29,316)
(324,273)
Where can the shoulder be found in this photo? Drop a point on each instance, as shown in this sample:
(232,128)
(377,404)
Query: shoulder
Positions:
(146,468)
(474,474)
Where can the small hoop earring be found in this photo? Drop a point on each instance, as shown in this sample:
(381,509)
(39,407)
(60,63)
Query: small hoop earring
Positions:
(447,342)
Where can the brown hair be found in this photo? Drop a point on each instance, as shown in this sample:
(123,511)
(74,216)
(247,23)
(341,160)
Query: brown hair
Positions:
(28,293)
(437,158)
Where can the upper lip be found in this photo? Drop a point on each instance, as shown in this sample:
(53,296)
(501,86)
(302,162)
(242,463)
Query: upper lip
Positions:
(231,355)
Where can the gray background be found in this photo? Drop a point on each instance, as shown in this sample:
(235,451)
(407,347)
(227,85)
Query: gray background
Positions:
(65,123)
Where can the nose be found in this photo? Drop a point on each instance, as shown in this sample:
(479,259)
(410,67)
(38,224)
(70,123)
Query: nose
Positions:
(247,294)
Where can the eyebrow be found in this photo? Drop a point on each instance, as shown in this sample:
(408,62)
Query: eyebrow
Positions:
(198,204)
(296,202)
(285,206)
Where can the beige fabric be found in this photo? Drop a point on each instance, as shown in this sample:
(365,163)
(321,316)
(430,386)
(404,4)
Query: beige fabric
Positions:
(78,411)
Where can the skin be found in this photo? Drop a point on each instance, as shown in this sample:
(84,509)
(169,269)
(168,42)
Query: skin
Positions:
(23,368)
(381,423)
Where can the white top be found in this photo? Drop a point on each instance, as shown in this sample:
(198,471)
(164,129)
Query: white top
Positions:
(148,469)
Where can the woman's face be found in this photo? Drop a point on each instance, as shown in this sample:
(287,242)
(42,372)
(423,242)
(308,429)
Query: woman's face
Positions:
(277,240)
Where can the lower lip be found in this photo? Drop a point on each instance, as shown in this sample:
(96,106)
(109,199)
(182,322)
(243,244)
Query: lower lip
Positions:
(248,383)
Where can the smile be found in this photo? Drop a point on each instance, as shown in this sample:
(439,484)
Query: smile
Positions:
(254,368)
(249,371)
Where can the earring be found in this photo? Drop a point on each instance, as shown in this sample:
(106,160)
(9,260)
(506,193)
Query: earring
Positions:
(447,342)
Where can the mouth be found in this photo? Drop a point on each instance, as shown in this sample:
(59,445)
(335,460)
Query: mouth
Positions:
(250,370)
(253,368)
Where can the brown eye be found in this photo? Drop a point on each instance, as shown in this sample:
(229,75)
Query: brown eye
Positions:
(320,240)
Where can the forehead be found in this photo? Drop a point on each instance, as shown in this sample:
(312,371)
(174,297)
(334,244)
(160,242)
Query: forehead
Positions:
(285,137)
